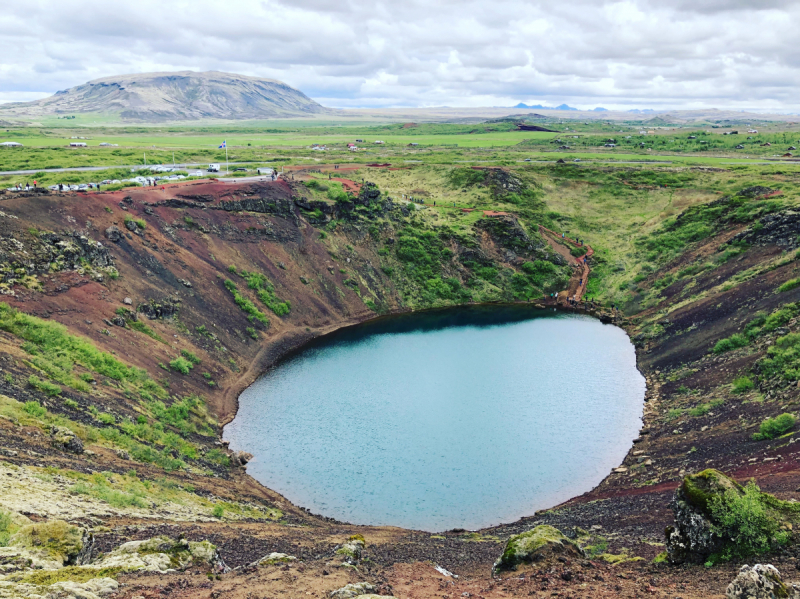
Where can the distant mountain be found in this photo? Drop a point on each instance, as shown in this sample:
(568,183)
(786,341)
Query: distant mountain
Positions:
(601,109)
(644,111)
(181,96)
(540,107)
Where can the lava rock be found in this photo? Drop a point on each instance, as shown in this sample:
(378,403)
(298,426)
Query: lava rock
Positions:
(113,234)
(64,438)
(243,457)
(760,582)
(131,226)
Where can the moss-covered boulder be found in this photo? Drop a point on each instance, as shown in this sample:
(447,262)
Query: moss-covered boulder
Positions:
(718,518)
(56,540)
(536,545)
(161,554)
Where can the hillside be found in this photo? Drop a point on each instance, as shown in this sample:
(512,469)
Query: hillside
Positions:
(133,319)
(181,96)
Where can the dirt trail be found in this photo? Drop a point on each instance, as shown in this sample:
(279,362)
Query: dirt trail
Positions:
(559,244)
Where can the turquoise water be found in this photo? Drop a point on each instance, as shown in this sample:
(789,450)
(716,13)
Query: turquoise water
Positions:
(455,419)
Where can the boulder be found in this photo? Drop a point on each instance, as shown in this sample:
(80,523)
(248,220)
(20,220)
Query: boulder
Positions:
(536,545)
(162,554)
(64,438)
(243,457)
(352,549)
(56,542)
(355,589)
(113,234)
(693,537)
(131,226)
(760,582)
(698,534)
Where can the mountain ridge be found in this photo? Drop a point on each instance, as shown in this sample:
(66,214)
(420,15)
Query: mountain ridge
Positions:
(174,96)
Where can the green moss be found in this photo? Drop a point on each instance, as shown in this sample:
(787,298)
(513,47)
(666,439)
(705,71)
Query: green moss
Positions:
(700,488)
(77,574)
(522,548)
(56,538)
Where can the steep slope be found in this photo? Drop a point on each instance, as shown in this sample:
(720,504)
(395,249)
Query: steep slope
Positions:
(185,95)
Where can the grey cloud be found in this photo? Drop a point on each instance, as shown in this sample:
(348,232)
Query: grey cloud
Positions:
(381,53)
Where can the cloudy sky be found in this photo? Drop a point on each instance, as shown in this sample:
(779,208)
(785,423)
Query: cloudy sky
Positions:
(380,53)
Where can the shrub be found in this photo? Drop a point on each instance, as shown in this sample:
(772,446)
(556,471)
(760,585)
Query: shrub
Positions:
(789,285)
(190,356)
(218,511)
(743,519)
(743,384)
(775,427)
(181,365)
(106,418)
(34,409)
(70,403)
(578,251)
(44,386)
(783,358)
(733,342)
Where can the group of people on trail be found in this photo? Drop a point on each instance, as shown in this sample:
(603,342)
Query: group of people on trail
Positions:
(27,187)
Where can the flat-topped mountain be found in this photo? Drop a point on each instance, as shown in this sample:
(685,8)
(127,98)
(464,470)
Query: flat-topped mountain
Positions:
(185,95)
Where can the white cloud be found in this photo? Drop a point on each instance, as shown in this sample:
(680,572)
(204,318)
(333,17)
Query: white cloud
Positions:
(618,54)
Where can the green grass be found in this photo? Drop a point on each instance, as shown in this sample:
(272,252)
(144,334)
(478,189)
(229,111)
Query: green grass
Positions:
(246,305)
(265,291)
(789,285)
(56,351)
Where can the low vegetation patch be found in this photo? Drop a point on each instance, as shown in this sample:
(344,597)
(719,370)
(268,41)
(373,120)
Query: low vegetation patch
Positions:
(247,306)
(775,427)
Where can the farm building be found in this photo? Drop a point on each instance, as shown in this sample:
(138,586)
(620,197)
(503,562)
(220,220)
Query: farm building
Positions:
(11,144)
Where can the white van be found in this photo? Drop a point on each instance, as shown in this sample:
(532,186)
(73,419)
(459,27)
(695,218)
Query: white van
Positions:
(213,168)
(265,171)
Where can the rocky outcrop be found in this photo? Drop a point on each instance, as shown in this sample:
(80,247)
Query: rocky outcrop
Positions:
(114,234)
(277,206)
(65,439)
(154,309)
(52,252)
(354,589)
(760,582)
(162,554)
(352,550)
(508,234)
(536,545)
(781,228)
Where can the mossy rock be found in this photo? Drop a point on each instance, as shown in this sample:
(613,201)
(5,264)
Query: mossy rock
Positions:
(59,540)
(536,545)
(698,489)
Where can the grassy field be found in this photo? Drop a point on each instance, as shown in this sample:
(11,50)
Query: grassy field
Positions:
(614,197)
